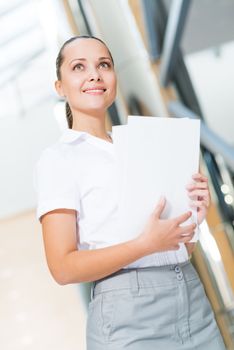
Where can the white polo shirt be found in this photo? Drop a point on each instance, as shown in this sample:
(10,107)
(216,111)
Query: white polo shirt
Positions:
(78,172)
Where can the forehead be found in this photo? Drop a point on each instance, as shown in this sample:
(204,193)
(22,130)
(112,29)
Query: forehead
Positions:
(85,48)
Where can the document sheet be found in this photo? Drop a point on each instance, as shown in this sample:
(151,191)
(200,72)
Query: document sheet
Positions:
(155,157)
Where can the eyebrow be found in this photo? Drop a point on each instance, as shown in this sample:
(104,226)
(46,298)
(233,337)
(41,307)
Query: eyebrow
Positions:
(84,59)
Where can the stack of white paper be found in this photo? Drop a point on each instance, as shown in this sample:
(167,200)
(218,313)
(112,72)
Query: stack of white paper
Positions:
(155,157)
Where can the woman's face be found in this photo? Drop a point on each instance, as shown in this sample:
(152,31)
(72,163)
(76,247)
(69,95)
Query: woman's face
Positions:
(88,79)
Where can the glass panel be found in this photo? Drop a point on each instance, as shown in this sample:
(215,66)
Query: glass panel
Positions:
(212,74)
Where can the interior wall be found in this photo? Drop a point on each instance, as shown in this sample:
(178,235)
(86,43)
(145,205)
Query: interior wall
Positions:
(22,138)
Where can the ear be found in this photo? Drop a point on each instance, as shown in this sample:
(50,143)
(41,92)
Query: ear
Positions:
(59,88)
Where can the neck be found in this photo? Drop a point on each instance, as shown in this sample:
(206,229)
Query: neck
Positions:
(93,124)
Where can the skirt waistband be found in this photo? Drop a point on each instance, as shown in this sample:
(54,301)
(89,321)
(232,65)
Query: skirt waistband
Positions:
(136,278)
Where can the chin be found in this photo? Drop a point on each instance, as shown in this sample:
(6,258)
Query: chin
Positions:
(95,106)
(93,110)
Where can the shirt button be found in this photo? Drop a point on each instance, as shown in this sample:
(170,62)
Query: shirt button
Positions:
(179,276)
(177,269)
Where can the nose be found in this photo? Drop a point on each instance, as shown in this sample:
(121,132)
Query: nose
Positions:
(94,75)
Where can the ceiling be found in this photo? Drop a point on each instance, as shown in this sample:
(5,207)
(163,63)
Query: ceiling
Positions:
(29,41)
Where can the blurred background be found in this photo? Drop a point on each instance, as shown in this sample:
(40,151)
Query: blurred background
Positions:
(173,58)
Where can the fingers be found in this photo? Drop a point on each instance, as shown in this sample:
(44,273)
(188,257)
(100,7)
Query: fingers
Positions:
(182,218)
(187,230)
(200,177)
(199,199)
(186,239)
(201,193)
(159,207)
(193,185)
(198,191)
(199,181)
(199,204)
(186,233)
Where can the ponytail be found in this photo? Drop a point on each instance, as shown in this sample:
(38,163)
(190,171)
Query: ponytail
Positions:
(69,115)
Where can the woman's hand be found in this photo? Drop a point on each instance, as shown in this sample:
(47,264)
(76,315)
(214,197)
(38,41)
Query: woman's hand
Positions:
(165,234)
(199,194)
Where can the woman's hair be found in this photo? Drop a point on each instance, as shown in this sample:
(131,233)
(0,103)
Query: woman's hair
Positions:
(59,62)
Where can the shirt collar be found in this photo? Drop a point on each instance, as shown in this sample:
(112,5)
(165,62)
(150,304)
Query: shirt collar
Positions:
(71,135)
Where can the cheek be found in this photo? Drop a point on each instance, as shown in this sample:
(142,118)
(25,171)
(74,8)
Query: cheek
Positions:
(73,83)
(112,83)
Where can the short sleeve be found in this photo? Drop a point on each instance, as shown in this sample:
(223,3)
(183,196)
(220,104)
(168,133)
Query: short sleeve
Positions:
(55,183)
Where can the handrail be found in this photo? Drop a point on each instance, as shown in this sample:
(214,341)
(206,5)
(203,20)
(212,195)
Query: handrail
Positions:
(209,139)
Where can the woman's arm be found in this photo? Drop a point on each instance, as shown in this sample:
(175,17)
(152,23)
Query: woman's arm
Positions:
(69,265)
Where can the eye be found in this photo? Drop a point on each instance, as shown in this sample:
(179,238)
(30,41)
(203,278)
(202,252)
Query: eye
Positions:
(105,65)
(78,66)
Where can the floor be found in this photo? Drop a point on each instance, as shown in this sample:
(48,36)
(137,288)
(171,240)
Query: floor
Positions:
(35,312)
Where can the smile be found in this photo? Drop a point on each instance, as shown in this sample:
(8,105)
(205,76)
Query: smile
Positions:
(95,91)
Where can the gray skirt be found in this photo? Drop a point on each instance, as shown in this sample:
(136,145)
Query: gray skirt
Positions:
(155,308)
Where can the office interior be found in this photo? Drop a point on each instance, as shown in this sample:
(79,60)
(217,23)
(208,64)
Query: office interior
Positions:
(173,58)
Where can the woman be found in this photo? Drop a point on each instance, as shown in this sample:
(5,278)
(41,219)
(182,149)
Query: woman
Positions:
(140,297)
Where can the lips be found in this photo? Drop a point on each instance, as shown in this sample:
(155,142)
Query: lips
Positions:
(94,90)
